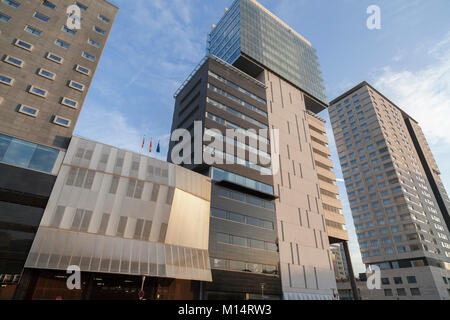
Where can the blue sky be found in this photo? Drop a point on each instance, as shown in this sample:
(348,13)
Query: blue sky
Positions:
(155,44)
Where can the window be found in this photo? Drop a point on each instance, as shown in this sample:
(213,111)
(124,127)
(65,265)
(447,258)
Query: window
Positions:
(41,17)
(24,45)
(94,43)
(88,56)
(76,85)
(6,80)
(401,292)
(81,6)
(53,57)
(62,44)
(11,3)
(26,154)
(411,279)
(69,31)
(222,237)
(388,292)
(38,91)
(61,121)
(69,102)
(46,74)
(398,280)
(34,31)
(385,281)
(100,31)
(4,17)
(82,70)
(28,110)
(103,18)
(48,4)
(13,61)
(415,292)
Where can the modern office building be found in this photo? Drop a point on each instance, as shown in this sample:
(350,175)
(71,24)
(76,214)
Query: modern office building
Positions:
(398,202)
(119,216)
(46,69)
(339,261)
(272,221)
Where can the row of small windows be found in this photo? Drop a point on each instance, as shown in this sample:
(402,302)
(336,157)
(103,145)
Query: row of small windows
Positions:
(237,100)
(240,218)
(52,6)
(245,242)
(231,84)
(240,266)
(236,113)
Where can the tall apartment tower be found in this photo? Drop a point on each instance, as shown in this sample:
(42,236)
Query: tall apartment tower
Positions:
(398,202)
(271,226)
(46,69)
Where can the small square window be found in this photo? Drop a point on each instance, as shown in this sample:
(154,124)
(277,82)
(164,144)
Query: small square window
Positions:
(94,43)
(6,80)
(13,61)
(82,6)
(33,31)
(415,292)
(55,58)
(11,3)
(41,17)
(62,44)
(30,111)
(4,17)
(48,4)
(398,280)
(69,31)
(38,91)
(76,85)
(46,74)
(401,292)
(88,56)
(23,44)
(61,121)
(82,70)
(69,102)
(99,30)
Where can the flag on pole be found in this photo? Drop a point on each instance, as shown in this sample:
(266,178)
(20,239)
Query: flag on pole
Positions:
(150,148)
(143,143)
(158,148)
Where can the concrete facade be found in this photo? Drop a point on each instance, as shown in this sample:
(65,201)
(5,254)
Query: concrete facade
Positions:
(399,224)
(113,211)
(40,128)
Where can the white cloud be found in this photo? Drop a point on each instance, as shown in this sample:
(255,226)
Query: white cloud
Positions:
(424,94)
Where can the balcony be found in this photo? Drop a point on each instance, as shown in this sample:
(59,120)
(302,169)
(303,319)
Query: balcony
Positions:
(321,148)
(328,186)
(334,217)
(327,173)
(337,233)
(318,136)
(332,201)
(323,160)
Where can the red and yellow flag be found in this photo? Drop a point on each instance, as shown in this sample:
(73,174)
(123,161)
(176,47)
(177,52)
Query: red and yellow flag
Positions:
(143,143)
(150,148)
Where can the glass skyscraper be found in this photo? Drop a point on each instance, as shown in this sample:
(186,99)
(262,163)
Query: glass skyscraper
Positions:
(248,31)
